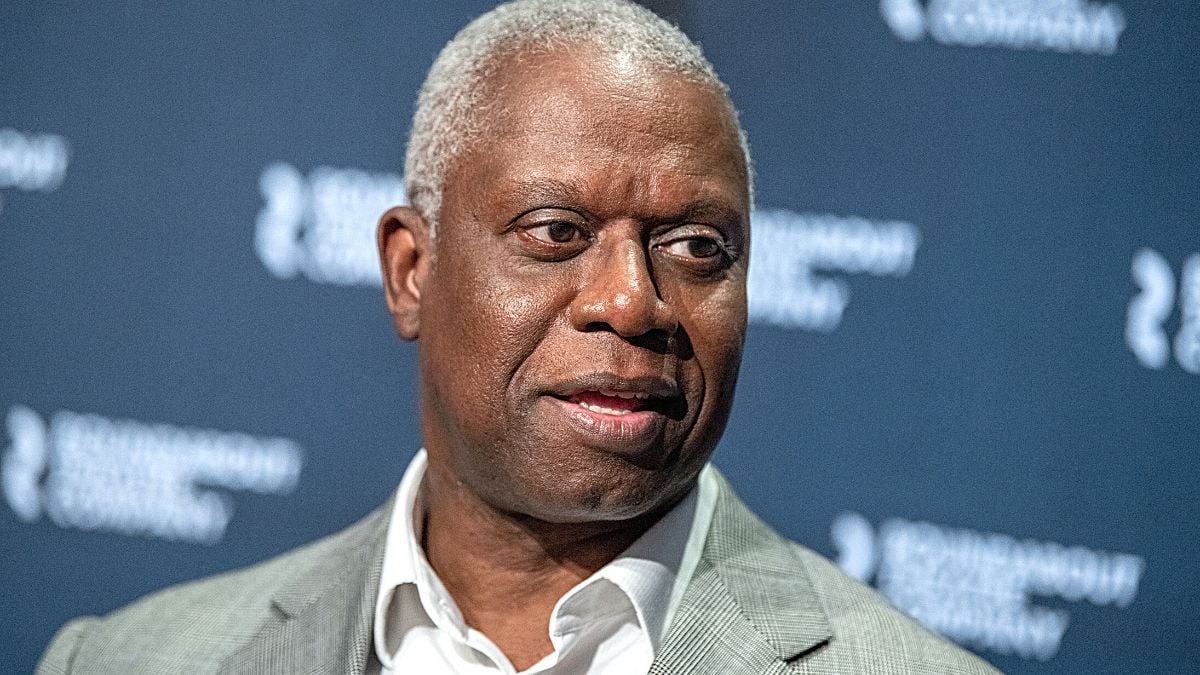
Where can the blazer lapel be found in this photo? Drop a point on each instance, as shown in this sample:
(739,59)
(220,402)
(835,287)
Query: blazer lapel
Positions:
(322,620)
(750,607)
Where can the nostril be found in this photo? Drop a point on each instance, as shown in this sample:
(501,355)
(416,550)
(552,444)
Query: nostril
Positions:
(656,340)
(618,293)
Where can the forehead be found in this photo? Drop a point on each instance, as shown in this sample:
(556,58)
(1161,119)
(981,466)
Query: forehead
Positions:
(578,114)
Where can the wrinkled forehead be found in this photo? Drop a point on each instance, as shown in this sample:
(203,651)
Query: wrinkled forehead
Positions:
(609,94)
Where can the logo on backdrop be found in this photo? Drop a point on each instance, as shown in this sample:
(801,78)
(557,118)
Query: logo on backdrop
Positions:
(790,249)
(322,227)
(90,472)
(32,161)
(1145,321)
(975,587)
(1075,26)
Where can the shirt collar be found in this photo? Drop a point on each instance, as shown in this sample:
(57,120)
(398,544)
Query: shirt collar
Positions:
(651,573)
(402,556)
(647,571)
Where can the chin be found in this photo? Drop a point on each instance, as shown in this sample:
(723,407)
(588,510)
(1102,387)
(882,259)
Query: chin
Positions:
(627,495)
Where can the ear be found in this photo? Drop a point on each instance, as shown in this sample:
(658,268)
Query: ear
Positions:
(405,254)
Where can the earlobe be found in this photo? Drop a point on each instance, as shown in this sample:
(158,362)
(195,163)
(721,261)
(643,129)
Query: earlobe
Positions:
(404,258)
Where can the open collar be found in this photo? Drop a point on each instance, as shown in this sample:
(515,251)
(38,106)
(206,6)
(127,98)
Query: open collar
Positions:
(649,575)
(750,603)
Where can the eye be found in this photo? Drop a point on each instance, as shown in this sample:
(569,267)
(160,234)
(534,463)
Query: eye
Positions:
(555,232)
(552,234)
(695,247)
(702,249)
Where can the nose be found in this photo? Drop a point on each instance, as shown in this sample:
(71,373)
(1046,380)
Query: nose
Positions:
(618,294)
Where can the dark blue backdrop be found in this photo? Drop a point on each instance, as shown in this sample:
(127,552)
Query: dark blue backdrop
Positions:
(976,333)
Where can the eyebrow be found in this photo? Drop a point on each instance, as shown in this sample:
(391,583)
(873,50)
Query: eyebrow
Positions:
(708,209)
(550,190)
(553,190)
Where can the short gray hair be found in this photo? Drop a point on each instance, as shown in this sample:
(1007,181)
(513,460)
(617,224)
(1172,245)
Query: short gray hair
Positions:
(446,115)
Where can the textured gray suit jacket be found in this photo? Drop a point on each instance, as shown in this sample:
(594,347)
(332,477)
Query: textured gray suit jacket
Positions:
(756,604)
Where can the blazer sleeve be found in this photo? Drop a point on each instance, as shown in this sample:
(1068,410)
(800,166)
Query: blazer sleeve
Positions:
(60,655)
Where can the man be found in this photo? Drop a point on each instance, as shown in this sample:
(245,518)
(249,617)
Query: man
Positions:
(573,266)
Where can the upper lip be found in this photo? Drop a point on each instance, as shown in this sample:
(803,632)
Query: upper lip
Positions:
(655,386)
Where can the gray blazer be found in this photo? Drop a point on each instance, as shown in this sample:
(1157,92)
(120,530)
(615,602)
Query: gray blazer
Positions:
(756,604)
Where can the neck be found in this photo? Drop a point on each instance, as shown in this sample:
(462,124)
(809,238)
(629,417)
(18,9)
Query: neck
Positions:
(507,571)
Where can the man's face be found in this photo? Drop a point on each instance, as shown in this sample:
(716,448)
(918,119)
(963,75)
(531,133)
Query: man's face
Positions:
(582,324)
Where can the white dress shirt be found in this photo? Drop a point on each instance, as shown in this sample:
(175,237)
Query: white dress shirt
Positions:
(610,623)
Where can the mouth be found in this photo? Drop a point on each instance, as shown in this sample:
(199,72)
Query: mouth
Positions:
(617,414)
(610,402)
(615,395)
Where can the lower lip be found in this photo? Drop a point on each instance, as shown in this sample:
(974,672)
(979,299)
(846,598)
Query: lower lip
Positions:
(631,431)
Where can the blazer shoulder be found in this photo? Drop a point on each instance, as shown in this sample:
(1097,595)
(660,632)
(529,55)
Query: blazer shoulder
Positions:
(191,627)
(804,610)
(60,653)
(863,621)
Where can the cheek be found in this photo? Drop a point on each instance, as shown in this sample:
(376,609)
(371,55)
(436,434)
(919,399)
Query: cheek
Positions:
(486,327)
(716,324)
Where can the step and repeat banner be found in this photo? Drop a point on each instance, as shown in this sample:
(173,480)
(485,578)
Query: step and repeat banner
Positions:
(973,369)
